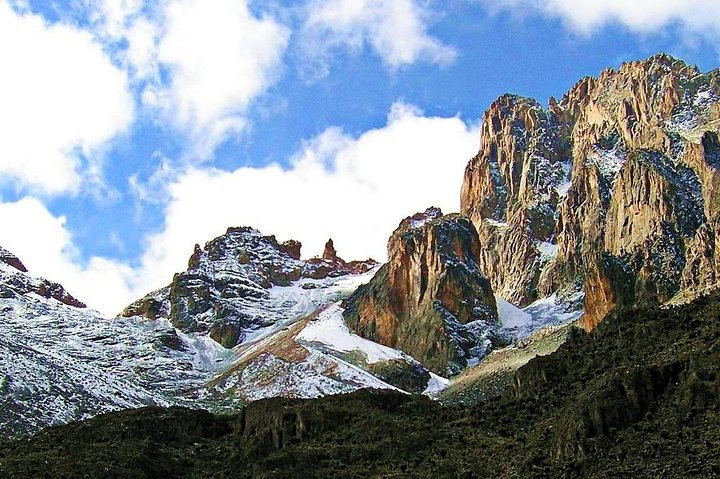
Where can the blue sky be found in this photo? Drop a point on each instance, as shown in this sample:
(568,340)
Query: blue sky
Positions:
(133,129)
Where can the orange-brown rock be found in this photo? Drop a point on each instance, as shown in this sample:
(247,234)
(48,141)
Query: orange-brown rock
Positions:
(510,192)
(329,252)
(430,299)
(642,195)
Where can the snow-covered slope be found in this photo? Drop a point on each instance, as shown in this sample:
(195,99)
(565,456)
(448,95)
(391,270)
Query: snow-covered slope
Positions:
(537,329)
(316,355)
(60,363)
(546,312)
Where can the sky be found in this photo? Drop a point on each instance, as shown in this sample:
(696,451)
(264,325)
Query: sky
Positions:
(131,130)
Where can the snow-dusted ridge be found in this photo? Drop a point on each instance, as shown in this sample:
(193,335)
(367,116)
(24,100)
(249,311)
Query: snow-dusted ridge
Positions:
(60,363)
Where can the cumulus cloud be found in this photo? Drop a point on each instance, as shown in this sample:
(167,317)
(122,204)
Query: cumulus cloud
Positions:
(42,241)
(198,64)
(62,101)
(395,29)
(353,189)
(219,56)
(131,30)
(699,16)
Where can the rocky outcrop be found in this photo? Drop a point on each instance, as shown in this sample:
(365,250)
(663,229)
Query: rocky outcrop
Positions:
(226,279)
(512,190)
(331,265)
(11,260)
(14,281)
(329,252)
(430,300)
(613,189)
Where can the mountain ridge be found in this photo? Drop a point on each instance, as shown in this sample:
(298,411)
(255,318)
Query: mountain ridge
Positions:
(579,180)
(608,196)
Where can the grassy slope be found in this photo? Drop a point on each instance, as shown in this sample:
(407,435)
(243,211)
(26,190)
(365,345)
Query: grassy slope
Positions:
(492,376)
(639,397)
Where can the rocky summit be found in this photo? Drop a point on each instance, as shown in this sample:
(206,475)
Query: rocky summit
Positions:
(14,283)
(430,299)
(227,277)
(611,190)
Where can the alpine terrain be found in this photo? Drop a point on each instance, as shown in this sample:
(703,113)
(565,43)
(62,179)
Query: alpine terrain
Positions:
(565,323)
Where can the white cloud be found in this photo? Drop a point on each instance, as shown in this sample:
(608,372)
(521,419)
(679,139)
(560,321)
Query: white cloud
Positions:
(62,101)
(698,16)
(355,190)
(44,244)
(134,22)
(219,57)
(395,29)
(114,16)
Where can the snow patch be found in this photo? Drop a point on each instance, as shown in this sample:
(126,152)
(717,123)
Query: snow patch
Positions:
(436,384)
(563,188)
(549,311)
(510,315)
(330,330)
(609,162)
(547,250)
(495,223)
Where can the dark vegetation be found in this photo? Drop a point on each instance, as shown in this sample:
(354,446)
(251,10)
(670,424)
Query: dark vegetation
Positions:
(638,397)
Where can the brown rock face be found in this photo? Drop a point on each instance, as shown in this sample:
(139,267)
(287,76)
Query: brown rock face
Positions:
(430,299)
(48,289)
(291,248)
(511,194)
(329,253)
(615,188)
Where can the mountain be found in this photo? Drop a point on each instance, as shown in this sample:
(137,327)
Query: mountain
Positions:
(279,316)
(60,362)
(228,280)
(602,205)
(637,397)
(430,299)
(612,190)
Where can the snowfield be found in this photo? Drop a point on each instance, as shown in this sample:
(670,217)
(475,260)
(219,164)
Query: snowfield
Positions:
(543,313)
(330,330)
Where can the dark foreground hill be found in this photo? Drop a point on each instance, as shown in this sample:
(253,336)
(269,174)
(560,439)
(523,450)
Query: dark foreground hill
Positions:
(637,397)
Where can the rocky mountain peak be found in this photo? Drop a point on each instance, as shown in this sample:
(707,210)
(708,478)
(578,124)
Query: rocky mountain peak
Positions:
(617,178)
(430,300)
(16,282)
(291,248)
(228,277)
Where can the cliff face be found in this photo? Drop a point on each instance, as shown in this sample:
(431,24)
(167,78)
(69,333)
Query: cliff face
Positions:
(430,300)
(512,190)
(613,189)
